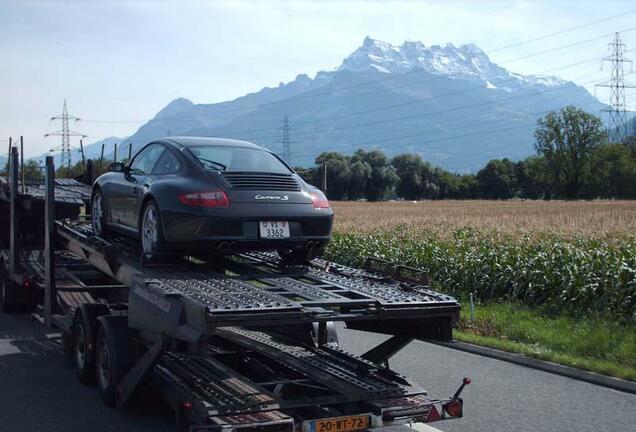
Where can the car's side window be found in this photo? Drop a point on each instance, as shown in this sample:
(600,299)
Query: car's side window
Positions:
(168,164)
(145,161)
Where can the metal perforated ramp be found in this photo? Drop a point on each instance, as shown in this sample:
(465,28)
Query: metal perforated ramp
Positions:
(208,381)
(385,291)
(348,375)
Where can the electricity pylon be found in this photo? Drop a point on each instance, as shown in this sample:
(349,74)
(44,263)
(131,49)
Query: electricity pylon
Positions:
(617,110)
(66,133)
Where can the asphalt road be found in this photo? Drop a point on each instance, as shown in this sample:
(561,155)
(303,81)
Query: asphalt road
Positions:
(39,392)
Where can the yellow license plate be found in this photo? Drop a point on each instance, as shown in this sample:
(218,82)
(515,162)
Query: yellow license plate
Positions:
(340,424)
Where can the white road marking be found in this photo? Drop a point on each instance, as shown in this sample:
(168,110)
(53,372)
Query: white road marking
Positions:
(422,427)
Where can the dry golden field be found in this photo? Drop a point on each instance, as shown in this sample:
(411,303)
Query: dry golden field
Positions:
(513,217)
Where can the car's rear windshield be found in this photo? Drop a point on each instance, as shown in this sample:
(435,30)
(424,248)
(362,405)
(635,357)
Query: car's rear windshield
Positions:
(226,158)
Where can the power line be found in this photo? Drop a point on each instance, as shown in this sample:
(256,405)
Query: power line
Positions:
(429,113)
(618,108)
(549,35)
(411,102)
(65,133)
(417,135)
(328,91)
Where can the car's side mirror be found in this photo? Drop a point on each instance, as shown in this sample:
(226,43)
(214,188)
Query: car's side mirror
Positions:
(116,167)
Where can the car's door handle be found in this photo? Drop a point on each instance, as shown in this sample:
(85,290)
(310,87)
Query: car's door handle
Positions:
(133,190)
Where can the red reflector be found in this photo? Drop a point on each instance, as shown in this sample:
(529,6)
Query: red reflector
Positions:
(187,405)
(433,415)
(319,200)
(453,408)
(467,381)
(205,199)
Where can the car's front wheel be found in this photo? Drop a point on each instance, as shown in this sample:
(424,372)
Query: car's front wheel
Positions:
(97,214)
(150,229)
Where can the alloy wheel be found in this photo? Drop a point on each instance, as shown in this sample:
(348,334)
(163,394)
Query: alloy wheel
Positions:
(97,213)
(149,234)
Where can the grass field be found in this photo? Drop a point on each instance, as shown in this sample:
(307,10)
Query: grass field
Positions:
(554,280)
(596,218)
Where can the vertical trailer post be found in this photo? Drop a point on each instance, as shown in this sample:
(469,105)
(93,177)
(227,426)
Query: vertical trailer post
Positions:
(22,161)
(83,157)
(101,160)
(115,154)
(50,291)
(9,157)
(90,171)
(14,225)
(129,151)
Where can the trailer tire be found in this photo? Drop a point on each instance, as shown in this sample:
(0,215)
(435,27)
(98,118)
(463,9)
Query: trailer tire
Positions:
(332,335)
(113,358)
(83,337)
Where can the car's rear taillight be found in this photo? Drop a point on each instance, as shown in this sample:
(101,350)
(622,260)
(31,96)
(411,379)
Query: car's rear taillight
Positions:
(319,200)
(205,199)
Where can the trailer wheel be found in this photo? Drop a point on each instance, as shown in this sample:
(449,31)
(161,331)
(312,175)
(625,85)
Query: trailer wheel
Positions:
(113,359)
(83,337)
(332,335)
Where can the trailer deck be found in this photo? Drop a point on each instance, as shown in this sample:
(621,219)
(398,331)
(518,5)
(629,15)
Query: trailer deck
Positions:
(233,343)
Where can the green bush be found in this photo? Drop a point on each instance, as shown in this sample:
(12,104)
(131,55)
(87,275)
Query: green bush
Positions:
(574,274)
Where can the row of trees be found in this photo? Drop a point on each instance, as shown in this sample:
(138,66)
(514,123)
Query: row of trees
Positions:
(573,161)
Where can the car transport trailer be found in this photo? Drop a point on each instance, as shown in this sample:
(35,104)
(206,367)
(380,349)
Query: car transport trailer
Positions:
(232,343)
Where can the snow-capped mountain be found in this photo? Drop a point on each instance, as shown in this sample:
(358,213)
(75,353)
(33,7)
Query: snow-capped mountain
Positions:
(451,104)
(467,62)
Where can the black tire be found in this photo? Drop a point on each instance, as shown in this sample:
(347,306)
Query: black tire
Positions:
(297,256)
(100,230)
(113,358)
(332,335)
(158,245)
(83,340)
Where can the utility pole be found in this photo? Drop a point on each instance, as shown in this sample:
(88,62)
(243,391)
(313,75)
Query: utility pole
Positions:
(66,133)
(617,110)
(286,141)
(324,178)
(83,156)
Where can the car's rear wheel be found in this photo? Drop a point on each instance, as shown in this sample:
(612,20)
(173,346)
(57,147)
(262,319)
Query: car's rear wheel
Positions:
(150,229)
(97,214)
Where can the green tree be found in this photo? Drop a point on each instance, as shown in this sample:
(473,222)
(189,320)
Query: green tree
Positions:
(409,168)
(566,139)
(383,178)
(613,172)
(32,171)
(338,174)
(359,180)
(535,179)
(497,179)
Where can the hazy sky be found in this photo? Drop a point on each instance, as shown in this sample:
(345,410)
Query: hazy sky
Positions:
(123,61)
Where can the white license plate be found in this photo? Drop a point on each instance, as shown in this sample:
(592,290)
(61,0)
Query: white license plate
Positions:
(274,229)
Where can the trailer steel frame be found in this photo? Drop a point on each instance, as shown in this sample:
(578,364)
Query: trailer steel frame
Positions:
(237,343)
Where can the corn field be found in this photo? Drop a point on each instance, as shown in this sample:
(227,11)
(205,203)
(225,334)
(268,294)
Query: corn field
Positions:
(573,273)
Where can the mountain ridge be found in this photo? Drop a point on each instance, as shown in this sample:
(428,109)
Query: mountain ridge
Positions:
(446,103)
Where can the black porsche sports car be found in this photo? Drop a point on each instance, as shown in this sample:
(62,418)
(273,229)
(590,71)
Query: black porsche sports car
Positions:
(209,195)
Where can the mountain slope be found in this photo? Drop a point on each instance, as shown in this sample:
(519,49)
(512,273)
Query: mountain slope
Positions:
(450,104)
